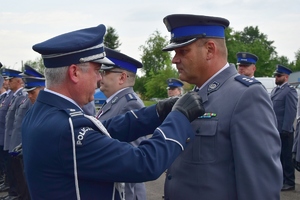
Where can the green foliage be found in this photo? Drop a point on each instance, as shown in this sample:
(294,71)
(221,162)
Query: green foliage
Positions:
(111,38)
(37,64)
(156,86)
(153,58)
(253,41)
(149,103)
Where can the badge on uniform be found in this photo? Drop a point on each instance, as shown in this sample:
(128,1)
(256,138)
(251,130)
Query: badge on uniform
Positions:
(213,87)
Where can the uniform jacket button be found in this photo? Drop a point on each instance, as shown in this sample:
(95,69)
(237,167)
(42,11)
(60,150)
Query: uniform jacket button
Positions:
(169,176)
(188,140)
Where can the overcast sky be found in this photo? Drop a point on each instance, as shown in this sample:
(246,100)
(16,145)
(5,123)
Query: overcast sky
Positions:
(25,23)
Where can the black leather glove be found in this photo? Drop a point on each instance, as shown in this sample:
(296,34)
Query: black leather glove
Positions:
(190,105)
(295,163)
(164,107)
(285,134)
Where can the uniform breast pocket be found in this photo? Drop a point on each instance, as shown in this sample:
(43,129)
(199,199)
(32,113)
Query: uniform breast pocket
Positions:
(204,149)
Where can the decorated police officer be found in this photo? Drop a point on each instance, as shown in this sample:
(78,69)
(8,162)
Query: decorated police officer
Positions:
(75,156)
(236,153)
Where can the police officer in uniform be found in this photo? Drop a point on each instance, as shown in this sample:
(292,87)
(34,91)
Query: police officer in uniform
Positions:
(16,85)
(236,153)
(75,156)
(174,87)
(33,82)
(246,63)
(284,98)
(117,85)
(5,100)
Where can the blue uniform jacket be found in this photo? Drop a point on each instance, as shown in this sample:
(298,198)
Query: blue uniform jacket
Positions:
(122,102)
(48,155)
(236,151)
(3,111)
(285,107)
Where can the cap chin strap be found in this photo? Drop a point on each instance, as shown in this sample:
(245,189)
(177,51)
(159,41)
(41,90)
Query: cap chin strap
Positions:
(117,186)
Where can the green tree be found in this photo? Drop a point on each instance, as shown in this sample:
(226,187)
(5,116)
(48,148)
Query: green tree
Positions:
(37,64)
(153,58)
(253,41)
(157,84)
(111,38)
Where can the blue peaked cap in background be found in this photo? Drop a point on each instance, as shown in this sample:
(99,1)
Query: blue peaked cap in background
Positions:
(121,60)
(186,28)
(29,71)
(11,73)
(31,83)
(85,45)
(245,58)
(280,69)
(173,83)
(32,79)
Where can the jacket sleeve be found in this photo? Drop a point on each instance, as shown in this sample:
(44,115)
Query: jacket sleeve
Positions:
(256,146)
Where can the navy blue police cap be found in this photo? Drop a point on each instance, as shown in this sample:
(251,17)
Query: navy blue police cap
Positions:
(31,83)
(29,71)
(121,60)
(174,83)
(186,28)
(85,45)
(11,73)
(245,58)
(280,69)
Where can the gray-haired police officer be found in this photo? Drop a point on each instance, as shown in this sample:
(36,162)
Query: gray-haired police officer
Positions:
(74,156)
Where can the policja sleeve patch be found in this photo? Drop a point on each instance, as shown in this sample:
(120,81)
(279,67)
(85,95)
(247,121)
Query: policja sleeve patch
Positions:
(245,80)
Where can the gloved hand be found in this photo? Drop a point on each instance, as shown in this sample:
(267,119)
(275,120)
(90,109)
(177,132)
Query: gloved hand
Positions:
(285,134)
(164,107)
(295,163)
(190,105)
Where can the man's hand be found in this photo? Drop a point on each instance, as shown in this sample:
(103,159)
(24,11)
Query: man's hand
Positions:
(295,163)
(190,105)
(164,107)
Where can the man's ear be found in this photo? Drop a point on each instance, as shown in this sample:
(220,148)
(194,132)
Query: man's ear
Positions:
(73,73)
(211,49)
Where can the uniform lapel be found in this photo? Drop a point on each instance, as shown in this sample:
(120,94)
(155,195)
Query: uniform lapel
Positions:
(216,83)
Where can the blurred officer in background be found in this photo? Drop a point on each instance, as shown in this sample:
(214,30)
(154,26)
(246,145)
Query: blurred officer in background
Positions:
(5,100)
(33,83)
(117,85)
(246,63)
(2,128)
(16,85)
(175,87)
(70,155)
(230,158)
(284,98)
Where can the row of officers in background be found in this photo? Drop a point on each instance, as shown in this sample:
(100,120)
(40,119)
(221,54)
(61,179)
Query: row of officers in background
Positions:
(220,141)
(19,91)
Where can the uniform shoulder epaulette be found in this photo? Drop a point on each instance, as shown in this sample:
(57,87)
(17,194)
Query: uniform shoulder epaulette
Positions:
(247,81)
(73,112)
(130,97)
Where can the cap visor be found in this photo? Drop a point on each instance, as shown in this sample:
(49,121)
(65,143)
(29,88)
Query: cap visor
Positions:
(107,67)
(29,89)
(104,60)
(173,45)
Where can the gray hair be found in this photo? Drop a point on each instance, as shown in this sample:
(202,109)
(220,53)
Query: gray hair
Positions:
(56,76)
